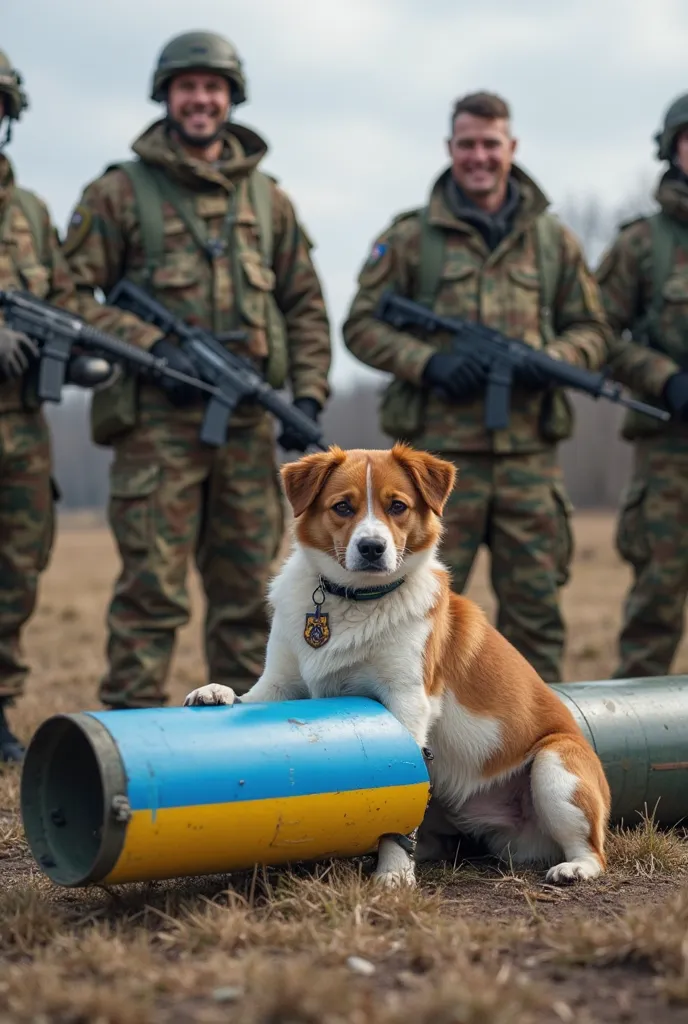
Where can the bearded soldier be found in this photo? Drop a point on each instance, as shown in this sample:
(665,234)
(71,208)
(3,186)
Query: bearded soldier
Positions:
(486,249)
(643,278)
(196,223)
(30,260)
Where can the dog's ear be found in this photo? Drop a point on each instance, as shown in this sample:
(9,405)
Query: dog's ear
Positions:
(434,478)
(304,479)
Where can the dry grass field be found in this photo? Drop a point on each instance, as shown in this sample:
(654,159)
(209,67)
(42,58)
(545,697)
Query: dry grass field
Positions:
(476,943)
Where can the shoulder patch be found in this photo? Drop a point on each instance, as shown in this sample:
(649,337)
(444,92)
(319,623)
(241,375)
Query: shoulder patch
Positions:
(377,265)
(78,229)
(376,253)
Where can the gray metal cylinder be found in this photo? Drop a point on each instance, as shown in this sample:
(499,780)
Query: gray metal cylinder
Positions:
(639,729)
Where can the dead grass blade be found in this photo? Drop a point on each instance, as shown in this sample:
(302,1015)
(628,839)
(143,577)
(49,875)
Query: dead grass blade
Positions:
(647,849)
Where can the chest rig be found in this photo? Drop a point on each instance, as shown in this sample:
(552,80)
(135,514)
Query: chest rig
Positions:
(248,211)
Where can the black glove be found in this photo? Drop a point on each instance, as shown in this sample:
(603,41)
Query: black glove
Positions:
(179,393)
(531,377)
(460,374)
(675,395)
(290,439)
(16,353)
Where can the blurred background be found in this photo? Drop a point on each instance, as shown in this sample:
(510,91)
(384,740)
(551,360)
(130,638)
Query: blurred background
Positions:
(354,101)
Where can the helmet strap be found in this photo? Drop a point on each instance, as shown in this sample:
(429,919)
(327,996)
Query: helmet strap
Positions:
(677,172)
(8,131)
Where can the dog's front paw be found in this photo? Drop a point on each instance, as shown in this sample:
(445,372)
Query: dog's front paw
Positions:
(213,693)
(394,867)
(397,879)
(579,870)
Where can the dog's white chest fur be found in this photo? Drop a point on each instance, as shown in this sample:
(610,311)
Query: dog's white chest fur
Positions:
(375,647)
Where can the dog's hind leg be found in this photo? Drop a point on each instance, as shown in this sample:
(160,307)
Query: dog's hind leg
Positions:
(571,801)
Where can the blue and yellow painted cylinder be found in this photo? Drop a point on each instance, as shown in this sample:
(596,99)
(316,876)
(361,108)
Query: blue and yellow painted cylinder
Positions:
(134,795)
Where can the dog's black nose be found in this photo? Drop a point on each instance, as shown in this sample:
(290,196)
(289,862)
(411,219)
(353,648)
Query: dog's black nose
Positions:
(372,548)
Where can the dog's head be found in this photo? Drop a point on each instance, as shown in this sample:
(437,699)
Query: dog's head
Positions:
(368,513)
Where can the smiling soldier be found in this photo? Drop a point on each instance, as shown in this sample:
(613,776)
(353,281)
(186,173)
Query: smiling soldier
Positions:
(486,249)
(217,242)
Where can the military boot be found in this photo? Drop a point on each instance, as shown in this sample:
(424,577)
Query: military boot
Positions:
(10,747)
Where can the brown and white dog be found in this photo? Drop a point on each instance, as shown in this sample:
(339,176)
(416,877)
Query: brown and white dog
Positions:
(510,763)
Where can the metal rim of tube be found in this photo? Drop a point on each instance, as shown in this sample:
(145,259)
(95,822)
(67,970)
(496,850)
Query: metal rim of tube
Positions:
(113,784)
(565,696)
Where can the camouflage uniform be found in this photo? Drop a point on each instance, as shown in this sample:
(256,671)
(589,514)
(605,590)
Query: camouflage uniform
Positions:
(652,528)
(171,497)
(509,493)
(30,260)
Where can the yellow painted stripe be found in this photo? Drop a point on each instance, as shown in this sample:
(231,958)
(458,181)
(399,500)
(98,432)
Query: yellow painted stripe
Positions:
(179,841)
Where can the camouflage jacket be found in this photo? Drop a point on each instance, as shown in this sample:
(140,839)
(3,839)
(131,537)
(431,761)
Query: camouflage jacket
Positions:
(30,265)
(625,279)
(104,244)
(499,288)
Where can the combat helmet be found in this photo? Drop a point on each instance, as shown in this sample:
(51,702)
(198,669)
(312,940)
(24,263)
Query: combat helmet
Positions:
(15,99)
(675,118)
(203,51)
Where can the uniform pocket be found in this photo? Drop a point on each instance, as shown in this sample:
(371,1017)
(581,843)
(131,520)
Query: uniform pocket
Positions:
(402,410)
(631,529)
(257,285)
(564,533)
(457,290)
(673,319)
(457,271)
(524,302)
(133,489)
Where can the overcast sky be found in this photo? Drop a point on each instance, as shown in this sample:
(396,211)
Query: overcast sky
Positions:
(353,97)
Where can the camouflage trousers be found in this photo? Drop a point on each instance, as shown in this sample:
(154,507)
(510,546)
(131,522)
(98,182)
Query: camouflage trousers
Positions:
(172,499)
(652,537)
(518,507)
(27,529)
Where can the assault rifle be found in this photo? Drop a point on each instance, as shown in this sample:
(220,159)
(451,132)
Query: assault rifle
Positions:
(233,377)
(62,335)
(501,356)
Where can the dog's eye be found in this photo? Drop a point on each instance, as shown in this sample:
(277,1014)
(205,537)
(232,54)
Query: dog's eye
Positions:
(343,508)
(397,507)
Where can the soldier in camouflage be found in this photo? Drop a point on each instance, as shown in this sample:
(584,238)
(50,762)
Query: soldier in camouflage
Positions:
(643,278)
(30,259)
(497,245)
(230,255)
